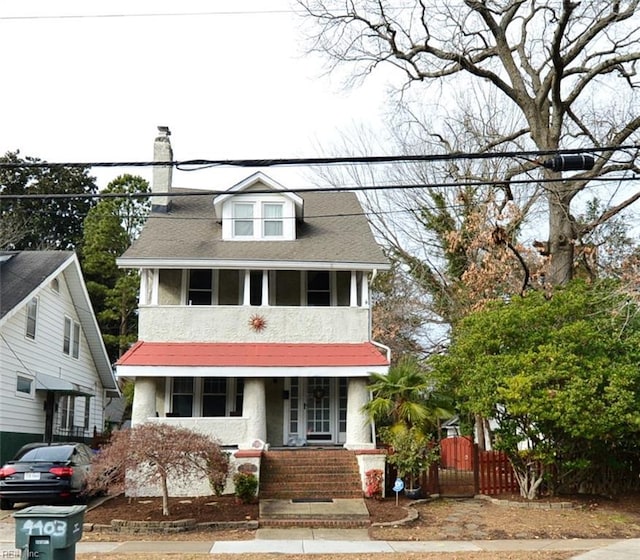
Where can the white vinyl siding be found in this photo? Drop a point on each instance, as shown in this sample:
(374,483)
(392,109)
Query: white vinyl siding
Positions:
(43,355)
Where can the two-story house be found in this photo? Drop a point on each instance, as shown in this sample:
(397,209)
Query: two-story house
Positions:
(254,313)
(55,375)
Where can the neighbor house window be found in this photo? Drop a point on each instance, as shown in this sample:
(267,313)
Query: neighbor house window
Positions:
(272,220)
(24,386)
(32,317)
(87,412)
(71,338)
(67,410)
(200,287)
(243,219)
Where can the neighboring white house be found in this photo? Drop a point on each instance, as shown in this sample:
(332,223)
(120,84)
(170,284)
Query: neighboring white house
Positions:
(254,313)
(55,374)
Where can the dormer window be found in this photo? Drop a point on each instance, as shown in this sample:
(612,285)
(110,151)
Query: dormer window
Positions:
(258,220)
(272,225)
(259,209)
(243,219)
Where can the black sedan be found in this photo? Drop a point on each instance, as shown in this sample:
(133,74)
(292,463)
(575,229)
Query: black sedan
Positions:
(45,473)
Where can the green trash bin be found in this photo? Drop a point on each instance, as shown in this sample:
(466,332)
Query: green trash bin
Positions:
(49,532)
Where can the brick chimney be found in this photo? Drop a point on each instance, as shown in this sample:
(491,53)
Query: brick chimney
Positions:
(162,173)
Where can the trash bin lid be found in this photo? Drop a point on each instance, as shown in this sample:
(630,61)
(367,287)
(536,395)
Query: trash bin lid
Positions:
(50,511)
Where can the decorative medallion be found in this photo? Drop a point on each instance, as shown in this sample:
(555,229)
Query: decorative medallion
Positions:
(257,323)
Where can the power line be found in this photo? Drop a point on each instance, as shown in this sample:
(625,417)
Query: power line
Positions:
(199,164)
(302,190)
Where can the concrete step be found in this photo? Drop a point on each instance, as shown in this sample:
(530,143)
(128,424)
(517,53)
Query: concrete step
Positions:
(345,513)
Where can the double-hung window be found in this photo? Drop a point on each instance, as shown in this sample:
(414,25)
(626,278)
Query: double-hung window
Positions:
(272,220)
(243,219)
(32,317)
(71,338)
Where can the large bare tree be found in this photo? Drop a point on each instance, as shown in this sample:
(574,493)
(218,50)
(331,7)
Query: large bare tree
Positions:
(566,70)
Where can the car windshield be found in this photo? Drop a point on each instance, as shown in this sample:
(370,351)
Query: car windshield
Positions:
(55,454)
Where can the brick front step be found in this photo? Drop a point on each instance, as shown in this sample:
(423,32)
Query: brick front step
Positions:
(310,473)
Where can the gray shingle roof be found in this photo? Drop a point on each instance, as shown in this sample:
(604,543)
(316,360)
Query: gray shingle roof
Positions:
(334,230)
(21,272)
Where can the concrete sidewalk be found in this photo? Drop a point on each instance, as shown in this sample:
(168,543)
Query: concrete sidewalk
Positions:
(341,541)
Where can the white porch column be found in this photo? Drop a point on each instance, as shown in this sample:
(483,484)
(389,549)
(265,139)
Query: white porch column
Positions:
(353,295)
(246,299)
(144,400)
(265,288)
(254,409)
(358,425)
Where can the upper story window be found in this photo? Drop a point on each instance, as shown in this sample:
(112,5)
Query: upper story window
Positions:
(272,224)
(258,220)
(32,317)
(200,287)
(243,219)
(71,338)
(259,209)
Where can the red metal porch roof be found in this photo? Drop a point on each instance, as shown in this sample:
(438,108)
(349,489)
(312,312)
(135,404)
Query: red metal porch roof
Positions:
(211,354)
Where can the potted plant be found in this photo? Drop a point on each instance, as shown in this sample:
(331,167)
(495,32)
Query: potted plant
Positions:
(411,452)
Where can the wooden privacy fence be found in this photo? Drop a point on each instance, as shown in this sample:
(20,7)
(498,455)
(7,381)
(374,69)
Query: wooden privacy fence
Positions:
(495,474)
(463,470)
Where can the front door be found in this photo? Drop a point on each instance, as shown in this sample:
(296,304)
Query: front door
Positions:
(317,403)
(315,411)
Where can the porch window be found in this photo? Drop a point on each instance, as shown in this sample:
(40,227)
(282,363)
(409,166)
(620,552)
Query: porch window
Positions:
(206,396)
(214,397)
(318,288)
(200,287)
(182,396)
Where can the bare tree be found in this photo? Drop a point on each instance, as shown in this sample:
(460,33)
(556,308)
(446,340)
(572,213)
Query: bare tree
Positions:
(568,69)
(151,453)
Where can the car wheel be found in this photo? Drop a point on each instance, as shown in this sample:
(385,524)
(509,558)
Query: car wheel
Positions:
(5,504)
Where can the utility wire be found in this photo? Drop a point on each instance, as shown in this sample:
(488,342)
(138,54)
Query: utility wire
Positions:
(277,162)
(302,190)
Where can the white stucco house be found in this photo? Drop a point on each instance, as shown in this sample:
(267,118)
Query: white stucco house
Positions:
(254,313)
(55,375)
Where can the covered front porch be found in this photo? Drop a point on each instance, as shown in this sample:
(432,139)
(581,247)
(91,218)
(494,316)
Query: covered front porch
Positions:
(250,396)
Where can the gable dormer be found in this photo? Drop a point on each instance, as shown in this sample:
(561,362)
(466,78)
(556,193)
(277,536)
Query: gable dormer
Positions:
(258,209)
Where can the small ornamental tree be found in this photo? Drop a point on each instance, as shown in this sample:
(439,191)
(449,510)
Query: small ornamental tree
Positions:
(150,454)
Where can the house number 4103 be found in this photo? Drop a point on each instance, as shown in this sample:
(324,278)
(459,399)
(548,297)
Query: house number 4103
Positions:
(55,528)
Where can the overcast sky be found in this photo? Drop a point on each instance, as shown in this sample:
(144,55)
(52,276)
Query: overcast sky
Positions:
(231,81)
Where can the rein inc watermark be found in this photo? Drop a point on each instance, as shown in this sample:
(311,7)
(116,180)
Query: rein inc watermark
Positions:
(19,554)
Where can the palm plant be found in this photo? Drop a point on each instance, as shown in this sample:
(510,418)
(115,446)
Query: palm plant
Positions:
(405,398)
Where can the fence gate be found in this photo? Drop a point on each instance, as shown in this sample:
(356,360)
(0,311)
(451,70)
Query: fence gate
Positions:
(457,471)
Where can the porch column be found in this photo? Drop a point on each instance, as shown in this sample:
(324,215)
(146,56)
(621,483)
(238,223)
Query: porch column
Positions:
(254,409)
(358,425)
(144,400)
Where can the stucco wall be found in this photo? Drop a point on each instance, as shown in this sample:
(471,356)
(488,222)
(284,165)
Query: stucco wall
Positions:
(231,324)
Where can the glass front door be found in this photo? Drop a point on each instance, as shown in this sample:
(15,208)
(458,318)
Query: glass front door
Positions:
(315,411)
(318,409)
